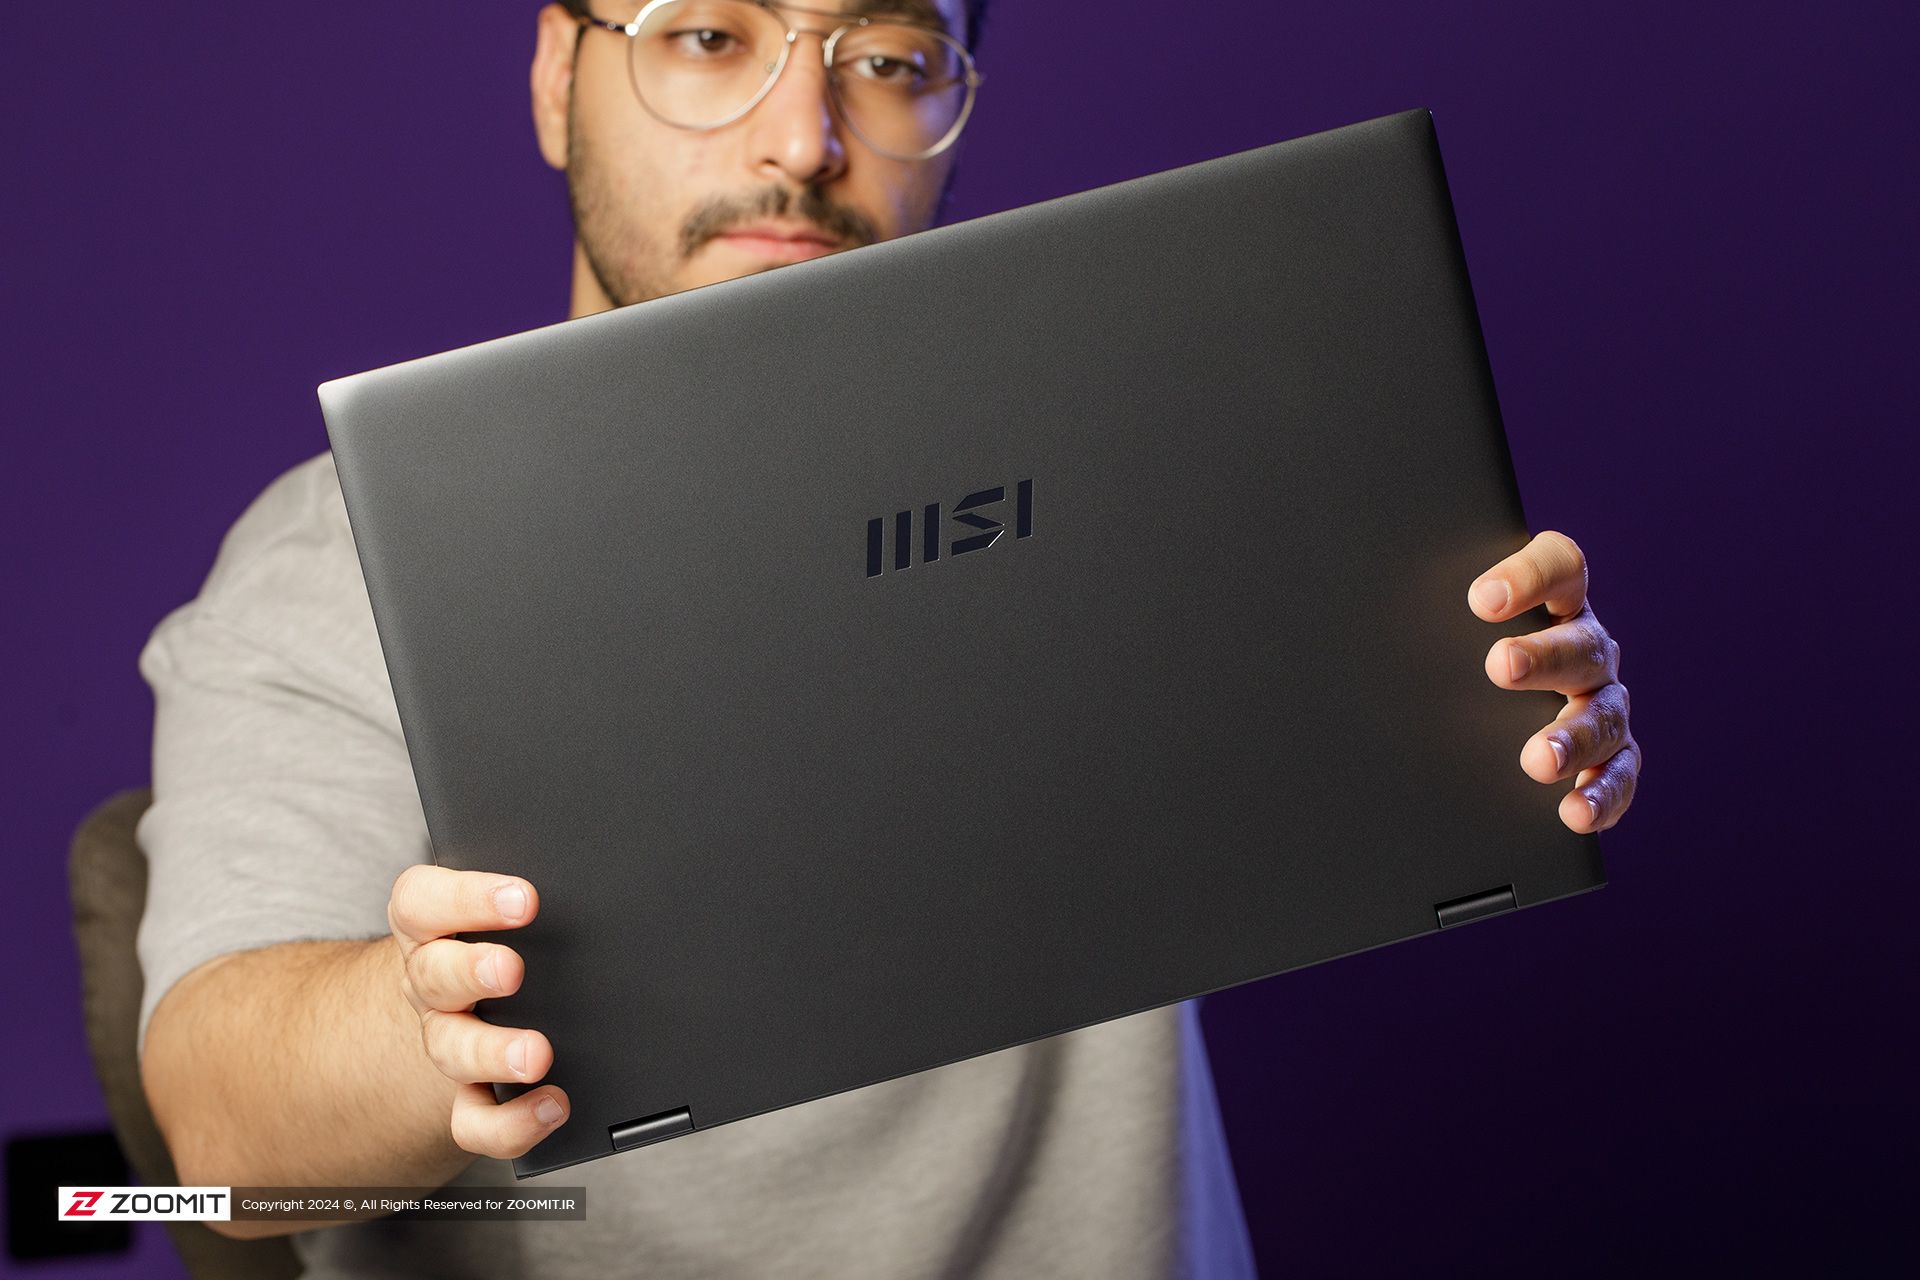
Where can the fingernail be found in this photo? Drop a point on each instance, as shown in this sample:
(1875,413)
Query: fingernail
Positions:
(517,1056)
(1593,809)
(1559,752)
(510,901)
(1519,662)
(1491,594)
(489,970)
(546,1111)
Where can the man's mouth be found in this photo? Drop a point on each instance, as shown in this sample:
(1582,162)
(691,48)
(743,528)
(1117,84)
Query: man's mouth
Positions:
(773,240)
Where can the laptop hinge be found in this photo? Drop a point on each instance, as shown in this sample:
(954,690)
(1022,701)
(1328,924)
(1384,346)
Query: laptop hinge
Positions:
(1476,906)
(654,1128)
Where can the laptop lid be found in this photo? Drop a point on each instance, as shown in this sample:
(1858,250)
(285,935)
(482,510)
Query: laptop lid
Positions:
(913,652)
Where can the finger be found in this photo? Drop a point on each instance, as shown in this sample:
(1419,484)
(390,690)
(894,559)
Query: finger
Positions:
(1587,732)
(1549,570)
(430,902)
(1602,794)
(506,1130)
(1570,657)
(462,1047)
(450,975)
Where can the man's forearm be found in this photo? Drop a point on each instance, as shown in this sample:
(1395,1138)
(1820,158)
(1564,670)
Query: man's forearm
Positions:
(299,1065)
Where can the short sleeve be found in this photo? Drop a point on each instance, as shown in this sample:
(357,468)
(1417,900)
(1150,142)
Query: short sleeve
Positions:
(284,803)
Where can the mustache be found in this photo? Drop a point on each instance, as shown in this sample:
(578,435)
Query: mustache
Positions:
(722,213)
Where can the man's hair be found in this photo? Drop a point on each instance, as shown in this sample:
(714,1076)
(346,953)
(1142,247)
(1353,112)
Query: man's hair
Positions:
(976,18)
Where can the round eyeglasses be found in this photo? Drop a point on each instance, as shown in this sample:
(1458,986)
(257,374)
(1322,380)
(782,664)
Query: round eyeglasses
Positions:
(904,88)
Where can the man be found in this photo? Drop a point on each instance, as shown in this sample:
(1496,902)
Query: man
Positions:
(308,1014)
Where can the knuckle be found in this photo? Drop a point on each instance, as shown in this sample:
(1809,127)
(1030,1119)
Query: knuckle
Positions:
(443,1042)
(404,903)
(430,980)
(1569,547)
(400,896)
(1578,649)
(1609,722)
(1593,649)
(469,1134)
(430,1034)
(413,978)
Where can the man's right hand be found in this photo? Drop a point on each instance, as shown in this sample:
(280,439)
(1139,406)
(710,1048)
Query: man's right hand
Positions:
(443,977)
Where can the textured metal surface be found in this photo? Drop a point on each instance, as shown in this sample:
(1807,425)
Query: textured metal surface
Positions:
(799,829)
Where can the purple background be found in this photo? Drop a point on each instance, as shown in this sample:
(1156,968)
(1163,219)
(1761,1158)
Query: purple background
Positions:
(1691,230)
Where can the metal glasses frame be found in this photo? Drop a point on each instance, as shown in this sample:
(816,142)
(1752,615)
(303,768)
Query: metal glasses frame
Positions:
(973,78)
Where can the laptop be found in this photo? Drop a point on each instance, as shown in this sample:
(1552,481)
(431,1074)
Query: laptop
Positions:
(904,654)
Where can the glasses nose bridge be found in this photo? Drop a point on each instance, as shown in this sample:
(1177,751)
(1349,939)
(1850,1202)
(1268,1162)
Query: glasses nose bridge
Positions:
(791,42)
(827,39)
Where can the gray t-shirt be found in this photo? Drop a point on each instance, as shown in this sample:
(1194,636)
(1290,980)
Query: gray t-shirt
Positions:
(284,807)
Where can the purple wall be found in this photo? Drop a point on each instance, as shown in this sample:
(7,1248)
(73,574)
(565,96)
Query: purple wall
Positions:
(1691,229)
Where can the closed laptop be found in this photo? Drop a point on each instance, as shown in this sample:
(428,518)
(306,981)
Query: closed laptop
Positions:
(959,640)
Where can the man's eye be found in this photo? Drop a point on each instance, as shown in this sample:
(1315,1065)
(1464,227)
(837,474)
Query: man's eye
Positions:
(887,70)
(706,40)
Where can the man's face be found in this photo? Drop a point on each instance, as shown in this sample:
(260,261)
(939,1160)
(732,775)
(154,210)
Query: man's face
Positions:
(657,209)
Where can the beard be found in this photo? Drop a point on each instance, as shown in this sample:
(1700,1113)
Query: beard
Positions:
(629,264)
(632,265)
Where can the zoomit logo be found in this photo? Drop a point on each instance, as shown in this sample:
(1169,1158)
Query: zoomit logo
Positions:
(967,512)
(146,1204)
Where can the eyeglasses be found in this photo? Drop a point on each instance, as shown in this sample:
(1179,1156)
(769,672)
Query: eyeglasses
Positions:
(904,88)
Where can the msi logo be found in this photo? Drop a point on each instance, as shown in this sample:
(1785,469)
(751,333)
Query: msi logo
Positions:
(967,512)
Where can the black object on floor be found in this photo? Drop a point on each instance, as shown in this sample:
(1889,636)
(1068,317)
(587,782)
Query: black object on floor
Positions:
(38,1165)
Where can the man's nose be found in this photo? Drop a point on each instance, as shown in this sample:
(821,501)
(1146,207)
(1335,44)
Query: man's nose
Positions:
(795,126)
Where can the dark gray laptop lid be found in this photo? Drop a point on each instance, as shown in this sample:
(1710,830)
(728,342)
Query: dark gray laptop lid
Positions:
(910,653)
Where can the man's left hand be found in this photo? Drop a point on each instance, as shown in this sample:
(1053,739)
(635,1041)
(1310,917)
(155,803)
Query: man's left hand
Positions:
(1590,740)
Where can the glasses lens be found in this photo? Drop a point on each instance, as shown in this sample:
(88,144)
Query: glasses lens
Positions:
(698,63)
(903,89)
